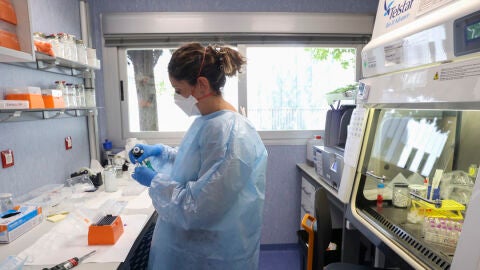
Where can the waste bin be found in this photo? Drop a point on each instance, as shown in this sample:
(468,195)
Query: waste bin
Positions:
(319,259)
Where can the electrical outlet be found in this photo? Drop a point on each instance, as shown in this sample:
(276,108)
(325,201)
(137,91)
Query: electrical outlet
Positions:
(68,143)
(7,158)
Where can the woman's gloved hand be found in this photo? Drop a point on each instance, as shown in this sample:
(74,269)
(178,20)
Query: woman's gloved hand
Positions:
(142,151)
(144,175)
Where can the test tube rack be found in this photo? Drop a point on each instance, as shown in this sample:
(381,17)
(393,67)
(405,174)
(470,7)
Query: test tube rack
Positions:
(106,231)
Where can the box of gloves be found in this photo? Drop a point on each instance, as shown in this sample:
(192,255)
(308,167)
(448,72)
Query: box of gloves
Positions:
(17,221)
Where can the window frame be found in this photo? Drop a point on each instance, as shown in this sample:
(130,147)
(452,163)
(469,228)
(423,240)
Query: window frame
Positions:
(283,137)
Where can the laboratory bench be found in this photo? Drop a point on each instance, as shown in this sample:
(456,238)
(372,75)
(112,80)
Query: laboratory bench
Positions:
(137,211)
(355,246)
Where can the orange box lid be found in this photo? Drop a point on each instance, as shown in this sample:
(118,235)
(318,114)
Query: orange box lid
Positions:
(9,40)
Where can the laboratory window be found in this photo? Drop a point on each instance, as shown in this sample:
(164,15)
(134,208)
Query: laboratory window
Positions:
(281,89)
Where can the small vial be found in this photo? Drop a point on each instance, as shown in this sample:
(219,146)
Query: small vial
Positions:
(380,193)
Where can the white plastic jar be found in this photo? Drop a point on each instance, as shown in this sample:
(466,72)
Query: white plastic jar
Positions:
(6,202)
(315,141)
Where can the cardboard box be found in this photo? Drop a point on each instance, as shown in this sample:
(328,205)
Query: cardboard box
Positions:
(15,222)
(13,104)
(53,98)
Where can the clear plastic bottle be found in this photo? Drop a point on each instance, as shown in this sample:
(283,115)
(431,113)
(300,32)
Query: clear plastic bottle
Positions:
(81,52)
(90,97)
(6,202)
(57,46)
(63,41)
(60,85)
(72,99)
(73,48)
(80,95)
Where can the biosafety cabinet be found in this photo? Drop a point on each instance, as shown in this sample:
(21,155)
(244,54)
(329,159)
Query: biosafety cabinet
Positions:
(416,187)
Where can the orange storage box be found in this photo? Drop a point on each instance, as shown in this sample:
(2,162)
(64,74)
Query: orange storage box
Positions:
(53,98)
(7,12)
(105,232)
(32,94)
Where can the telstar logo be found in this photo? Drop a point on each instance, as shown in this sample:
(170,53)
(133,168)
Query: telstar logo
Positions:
(392,11)
(387,7)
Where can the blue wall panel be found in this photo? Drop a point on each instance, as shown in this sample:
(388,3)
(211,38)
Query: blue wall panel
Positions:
(39,152)
(282,195)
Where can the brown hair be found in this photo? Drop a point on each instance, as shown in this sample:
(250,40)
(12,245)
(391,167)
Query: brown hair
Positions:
(218,62)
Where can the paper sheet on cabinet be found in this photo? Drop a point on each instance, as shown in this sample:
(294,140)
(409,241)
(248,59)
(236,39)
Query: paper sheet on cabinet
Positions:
(62,243)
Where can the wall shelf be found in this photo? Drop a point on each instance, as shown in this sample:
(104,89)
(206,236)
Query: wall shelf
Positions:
(15,115)
(57,65)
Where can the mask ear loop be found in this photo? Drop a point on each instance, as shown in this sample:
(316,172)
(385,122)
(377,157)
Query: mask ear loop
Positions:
(203,61)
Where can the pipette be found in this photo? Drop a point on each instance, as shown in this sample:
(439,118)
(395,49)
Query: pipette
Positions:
(68,264)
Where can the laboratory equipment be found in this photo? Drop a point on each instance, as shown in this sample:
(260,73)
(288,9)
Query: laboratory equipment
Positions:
(423,105)
(401,195)
(335,164)
(328,163)
(380,194)
(70,263)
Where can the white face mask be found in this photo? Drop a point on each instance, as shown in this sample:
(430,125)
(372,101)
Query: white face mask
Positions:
(188,105)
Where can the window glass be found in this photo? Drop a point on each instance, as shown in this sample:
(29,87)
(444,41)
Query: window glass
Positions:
(286,86)
(151,105)
(284,90)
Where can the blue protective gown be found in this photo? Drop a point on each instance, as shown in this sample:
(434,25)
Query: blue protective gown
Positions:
(209,197)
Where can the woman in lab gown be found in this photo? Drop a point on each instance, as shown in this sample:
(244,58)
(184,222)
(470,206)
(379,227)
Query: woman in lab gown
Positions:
(208,192)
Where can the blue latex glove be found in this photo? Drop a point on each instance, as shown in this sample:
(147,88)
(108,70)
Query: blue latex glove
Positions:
(148,150)
(144,175)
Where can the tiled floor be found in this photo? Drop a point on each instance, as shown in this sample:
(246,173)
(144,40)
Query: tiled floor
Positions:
(280,259)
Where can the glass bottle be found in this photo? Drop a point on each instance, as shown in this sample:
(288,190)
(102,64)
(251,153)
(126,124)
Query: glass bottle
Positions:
(90,97)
